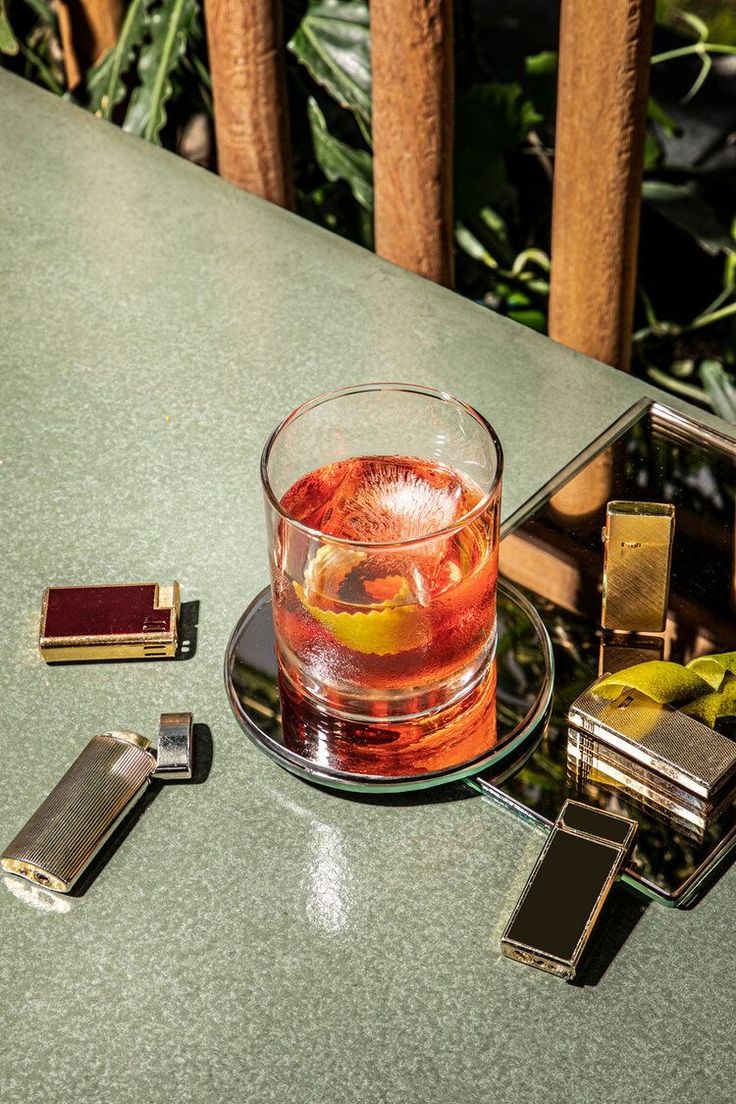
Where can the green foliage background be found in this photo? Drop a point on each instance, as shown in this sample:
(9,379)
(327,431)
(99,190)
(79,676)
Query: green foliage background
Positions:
(155,83)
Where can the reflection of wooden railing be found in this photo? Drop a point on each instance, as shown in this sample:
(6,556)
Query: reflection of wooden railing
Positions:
(565,571)
(529,563)
(598,165)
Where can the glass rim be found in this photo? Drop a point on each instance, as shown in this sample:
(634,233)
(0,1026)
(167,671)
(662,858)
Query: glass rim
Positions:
(361,388)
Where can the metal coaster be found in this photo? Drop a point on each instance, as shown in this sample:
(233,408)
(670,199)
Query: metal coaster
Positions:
(494,729)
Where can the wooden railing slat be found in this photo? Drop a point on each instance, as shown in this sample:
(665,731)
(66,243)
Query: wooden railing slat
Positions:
(87,29)
(247,64)
(599,152)
(413,97)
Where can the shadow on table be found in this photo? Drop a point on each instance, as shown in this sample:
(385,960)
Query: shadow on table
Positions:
(622,914)
(188,628)
(621,917)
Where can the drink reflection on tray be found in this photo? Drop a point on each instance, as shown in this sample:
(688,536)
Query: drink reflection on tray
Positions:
(457,734)
(553,550)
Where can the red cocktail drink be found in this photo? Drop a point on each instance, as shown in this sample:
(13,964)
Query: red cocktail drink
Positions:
(384,565)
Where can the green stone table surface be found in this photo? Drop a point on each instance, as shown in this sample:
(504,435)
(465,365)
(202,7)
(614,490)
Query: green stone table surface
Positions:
(253,938)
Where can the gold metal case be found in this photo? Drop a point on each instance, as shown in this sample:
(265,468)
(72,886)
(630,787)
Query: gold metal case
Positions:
(113,621)
(567,889)
(60,840)
(662,739)
(636,572)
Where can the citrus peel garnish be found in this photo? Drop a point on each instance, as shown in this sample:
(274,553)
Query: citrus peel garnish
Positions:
(704,689)
(714,668)
(708,708)
(665,683)
(385,631)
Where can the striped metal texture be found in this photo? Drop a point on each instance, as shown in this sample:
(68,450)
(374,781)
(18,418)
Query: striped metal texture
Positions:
(68,829)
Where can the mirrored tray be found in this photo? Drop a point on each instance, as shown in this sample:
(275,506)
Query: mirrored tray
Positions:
(553,550)
(494,729)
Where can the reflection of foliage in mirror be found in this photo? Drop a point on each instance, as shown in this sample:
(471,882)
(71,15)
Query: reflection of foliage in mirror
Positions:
(576,652)
(685,474)
(155,83)
(259,692)
(521,665)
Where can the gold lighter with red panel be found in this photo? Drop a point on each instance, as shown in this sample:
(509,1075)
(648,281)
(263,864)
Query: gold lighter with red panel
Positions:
(117,621)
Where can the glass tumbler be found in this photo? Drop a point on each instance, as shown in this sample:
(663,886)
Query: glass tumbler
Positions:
(382,507)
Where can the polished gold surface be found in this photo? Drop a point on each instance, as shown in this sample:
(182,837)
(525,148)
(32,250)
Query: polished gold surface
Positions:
(529,957)
(33,873)
(636,574)
(549,891)
(134,738)
(117,648)
(592,766)
(169,597)
(618,651)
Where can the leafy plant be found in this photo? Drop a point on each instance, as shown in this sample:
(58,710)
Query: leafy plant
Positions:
(155,81)
(166,46)
(332,42)
(105,83)
(157,65)
(8,41)
(339,161)
(701,48)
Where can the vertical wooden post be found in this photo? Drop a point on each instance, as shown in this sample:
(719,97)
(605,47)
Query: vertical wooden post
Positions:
(87,28)
(249,90)
(413,98)
(599,152)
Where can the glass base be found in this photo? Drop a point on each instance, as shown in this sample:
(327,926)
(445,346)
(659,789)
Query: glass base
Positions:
(494,727)
(402,707)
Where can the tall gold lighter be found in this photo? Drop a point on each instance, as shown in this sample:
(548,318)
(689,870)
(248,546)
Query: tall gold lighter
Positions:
(638,540)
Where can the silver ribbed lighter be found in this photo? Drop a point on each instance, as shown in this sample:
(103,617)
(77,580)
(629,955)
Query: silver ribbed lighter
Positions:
(65,833)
